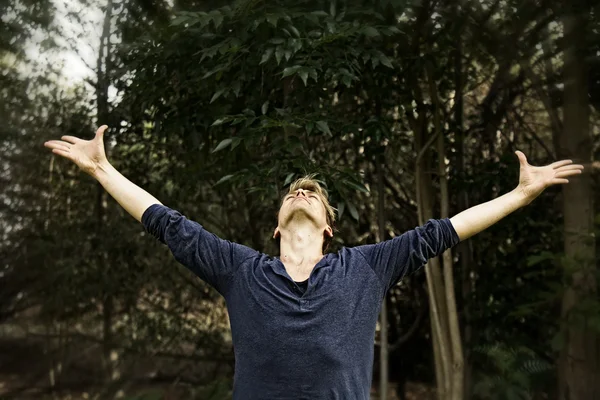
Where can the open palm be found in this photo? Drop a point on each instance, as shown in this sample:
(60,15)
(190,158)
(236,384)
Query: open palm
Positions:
(87,154)
(534,180)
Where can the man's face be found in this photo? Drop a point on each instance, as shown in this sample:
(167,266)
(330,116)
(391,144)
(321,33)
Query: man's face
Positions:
(304,204)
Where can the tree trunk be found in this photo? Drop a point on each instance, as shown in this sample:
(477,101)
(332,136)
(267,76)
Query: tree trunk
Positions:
(453,326)
(435,285)
(444,316)
(578,364)
(465,248)
(383,320)
(102,84)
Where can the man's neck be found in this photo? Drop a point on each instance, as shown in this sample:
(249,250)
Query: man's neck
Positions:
(300,248)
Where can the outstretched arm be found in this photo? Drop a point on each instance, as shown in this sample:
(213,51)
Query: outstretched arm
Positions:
(89,155)
(532,182)
(211,258)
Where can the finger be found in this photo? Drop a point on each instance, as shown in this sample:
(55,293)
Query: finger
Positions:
(561,163)
(62,153)
(57,144)
(571,167)
(521,156)
(563,174)
(71,139)
(559,181)
(100,131)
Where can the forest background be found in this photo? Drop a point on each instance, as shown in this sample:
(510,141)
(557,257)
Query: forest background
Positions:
(407,110)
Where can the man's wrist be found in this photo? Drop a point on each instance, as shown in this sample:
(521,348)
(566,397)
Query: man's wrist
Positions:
(102,171)
(521,197)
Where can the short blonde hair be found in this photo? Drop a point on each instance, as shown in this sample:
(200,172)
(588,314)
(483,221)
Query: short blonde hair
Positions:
(309,182)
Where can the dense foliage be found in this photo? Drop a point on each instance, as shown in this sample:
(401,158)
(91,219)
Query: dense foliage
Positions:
(219,106)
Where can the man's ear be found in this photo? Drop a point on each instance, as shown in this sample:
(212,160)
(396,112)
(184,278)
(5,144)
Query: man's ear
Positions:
(276,233)
(328,231)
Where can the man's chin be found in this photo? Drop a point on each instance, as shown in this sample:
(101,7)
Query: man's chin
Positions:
(301,213)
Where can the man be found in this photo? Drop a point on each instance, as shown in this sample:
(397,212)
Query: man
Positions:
(303,324)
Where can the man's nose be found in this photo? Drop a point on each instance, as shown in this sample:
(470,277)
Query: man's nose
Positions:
(300,192)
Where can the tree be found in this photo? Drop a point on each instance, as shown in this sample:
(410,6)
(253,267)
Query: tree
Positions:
(579,363)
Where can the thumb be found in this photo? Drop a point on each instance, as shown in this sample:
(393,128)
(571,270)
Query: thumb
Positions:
(100,132)
(521,156)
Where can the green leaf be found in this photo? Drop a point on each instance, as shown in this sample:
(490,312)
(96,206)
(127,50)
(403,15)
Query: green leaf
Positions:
(294,31)
(323,127)
(332,8)
(288,179)
(340,209)
(331,27)
(279,54)
(358,186)
(217,18)
(217,95)
(235,143)
(265,107)
(290,70)
(204,19)
(209,73)
(390,31)
(180,20)
(219,121)
(353,211)
(296,44)
(369,31)
(226,10)
(236,86)
(385,61)
(266,55)
(223,49)
(320,13)
(304,75)
(272,19)
(223,179)
(224,143)
(309,127)
(538,258)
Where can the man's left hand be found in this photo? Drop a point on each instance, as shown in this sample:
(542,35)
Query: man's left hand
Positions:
(534,180)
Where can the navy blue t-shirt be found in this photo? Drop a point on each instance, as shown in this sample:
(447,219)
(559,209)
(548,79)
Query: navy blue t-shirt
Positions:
(290,344)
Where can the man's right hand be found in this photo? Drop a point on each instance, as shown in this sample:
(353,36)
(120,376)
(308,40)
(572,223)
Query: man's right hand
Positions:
(87,154)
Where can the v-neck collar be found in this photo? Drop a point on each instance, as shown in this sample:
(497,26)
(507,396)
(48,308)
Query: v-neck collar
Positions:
(279,269)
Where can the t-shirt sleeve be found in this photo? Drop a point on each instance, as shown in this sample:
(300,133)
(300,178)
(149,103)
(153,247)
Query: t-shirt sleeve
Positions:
(393,259)
(212,259)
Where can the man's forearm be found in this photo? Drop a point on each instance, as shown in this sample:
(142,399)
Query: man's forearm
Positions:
(480,217)
(131,197)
